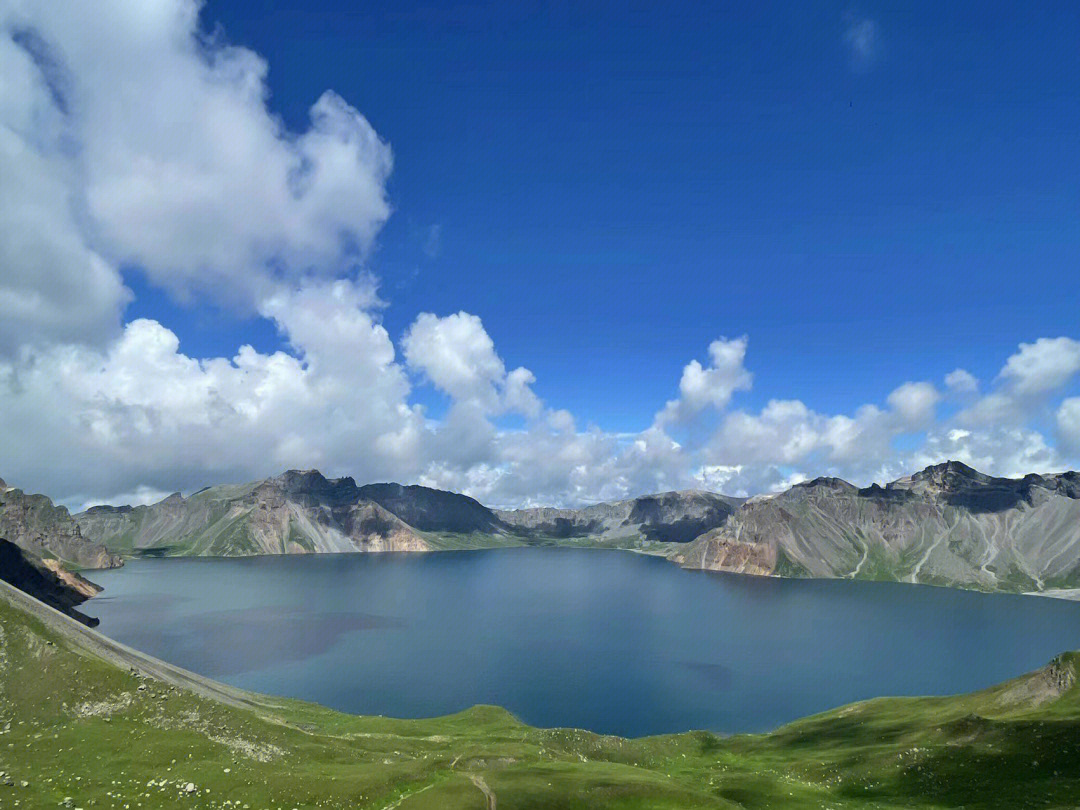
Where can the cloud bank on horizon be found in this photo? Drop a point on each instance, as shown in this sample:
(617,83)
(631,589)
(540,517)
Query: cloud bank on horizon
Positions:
(130,137)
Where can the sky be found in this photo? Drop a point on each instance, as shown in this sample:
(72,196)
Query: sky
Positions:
(535,252)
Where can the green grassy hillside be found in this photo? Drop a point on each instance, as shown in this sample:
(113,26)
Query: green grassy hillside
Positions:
(86,722)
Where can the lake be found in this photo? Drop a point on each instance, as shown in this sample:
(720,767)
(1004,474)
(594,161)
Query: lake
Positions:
(604,640)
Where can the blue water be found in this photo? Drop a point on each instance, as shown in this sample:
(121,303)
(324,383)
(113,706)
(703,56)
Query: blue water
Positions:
(604,640)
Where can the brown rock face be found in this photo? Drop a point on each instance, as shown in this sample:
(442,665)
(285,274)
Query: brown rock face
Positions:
(716,550)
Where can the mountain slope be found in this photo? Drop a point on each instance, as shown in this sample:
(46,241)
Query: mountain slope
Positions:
(306,512)
(293,513)
(151,735)
(434,510)
(946,525)
(46,580)
(35,524)
(667,517)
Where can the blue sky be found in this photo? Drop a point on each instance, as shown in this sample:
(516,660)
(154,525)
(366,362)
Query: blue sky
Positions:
(616,185)
(613,196)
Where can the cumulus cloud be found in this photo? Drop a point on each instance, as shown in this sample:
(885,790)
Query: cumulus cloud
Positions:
(54,284)
(82,421)
(128,135)
(456,354)
(913,404)
(140,415)
(714,385)
(961,382)
(1043,366)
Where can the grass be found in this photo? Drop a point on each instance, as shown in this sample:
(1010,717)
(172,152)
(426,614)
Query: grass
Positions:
(455,541)
(84,719)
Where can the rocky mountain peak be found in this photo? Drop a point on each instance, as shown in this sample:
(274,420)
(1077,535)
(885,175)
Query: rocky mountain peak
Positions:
(106,509)
(313,484)
(951,474)
(829,483)
(309,479)
(36,524)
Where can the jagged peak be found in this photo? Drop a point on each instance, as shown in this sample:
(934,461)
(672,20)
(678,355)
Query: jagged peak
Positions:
(826,482)
(399,490)
(300,475)
(950,468)
(104,508)
(683,494)
(311,480)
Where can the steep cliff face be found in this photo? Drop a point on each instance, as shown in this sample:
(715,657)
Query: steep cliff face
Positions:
(298,512)
(34,523)
(947,525)
(46,580)
(434,510)
(672,517)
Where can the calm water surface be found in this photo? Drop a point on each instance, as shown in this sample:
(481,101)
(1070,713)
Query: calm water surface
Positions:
(604,640)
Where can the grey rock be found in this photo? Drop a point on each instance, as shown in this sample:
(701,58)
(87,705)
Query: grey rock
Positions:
(35,524)
(946,525)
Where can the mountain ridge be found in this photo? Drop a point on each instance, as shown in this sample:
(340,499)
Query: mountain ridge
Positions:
(947,524)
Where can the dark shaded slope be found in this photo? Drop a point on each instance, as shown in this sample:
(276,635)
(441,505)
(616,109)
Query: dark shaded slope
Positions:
(59,589)
(434,510)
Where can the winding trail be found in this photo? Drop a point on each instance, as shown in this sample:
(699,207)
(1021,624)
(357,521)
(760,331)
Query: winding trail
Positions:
(925,557)
(858,568)
(489,794)
(405,796)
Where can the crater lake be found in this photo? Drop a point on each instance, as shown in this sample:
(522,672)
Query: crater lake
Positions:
(609,641)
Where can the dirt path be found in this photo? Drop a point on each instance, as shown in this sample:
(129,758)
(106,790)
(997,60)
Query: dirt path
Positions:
(858,568)
(405,796)
(918,566)
(489,794)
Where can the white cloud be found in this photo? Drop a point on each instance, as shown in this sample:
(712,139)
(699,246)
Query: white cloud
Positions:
(84,424)
(456,354)
(1004,451)
(82,421)
(913,403)
(1042,367)
(1068,423)
(128,135)
(433,241)
(714,386)
(961,382)
(54,286)
(140,496)
(718,477)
